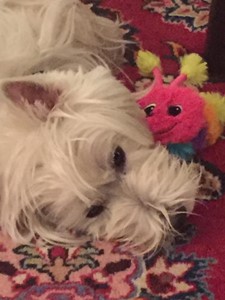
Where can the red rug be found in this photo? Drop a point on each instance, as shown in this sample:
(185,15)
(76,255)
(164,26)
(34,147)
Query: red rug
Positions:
(195,268)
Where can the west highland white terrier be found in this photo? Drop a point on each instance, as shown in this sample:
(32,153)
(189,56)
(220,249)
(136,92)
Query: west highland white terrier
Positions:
(75,153)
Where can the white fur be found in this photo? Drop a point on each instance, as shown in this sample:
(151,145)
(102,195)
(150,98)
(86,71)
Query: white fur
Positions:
(50,34)
(55,164)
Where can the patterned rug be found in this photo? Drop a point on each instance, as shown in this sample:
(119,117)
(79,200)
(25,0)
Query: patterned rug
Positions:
(195,268)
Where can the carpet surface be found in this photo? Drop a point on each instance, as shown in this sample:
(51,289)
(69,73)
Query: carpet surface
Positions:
(195,268)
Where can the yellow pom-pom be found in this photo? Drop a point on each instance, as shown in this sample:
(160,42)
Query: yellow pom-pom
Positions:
(195,68)
(217,101)
(146,62)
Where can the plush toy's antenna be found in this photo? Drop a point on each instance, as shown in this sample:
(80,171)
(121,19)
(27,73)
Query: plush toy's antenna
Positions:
(148,63)
(194,68)
(179,80)
(157,75)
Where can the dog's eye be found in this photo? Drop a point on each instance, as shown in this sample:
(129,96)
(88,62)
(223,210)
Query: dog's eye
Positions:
(149,109)
(94,211)
(37,72)
(174,110)
(119,159)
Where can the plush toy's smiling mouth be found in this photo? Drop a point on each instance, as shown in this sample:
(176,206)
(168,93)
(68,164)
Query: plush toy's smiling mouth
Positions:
(165,131)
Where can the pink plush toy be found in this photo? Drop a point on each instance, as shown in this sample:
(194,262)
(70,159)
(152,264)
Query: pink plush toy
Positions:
(178,115)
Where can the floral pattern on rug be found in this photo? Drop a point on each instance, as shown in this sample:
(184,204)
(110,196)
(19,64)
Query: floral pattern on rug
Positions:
(176,277)
(101,271)
(192,13)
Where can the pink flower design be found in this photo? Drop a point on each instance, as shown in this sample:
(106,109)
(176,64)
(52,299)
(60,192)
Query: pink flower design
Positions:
(164,279)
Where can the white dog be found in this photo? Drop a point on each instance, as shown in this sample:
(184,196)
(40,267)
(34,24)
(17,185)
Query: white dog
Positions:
(75,154)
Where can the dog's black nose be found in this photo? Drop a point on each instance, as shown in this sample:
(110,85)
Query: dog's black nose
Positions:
(94,211)
(179,221)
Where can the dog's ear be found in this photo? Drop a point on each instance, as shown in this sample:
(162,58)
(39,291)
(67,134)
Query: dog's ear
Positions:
(28,92)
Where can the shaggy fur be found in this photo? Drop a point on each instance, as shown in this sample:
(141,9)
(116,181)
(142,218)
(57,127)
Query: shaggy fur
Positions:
(60,133)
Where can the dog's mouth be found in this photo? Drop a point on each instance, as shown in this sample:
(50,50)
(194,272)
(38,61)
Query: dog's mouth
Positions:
(165,131)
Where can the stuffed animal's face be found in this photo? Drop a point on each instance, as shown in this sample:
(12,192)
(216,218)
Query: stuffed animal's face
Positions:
(174,114)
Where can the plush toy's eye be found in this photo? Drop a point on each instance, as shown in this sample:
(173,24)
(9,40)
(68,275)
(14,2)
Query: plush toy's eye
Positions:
(149,109)
(174,110)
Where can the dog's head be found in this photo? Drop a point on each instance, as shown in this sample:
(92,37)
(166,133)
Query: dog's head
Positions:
(75,154)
